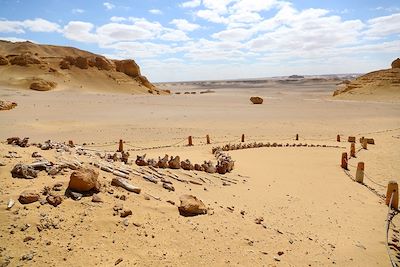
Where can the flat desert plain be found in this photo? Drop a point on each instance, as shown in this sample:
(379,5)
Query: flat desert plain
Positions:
(280,206)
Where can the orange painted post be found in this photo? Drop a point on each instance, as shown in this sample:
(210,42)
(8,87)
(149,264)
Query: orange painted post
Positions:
(360,172)
(242,138)
(364,143)
(344,160)
(393,188)
(353,150)
(190,141)
(121,146)
(71,143)
(208,139)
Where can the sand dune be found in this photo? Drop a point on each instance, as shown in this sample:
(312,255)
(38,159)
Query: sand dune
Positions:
(23,63)
(381,85)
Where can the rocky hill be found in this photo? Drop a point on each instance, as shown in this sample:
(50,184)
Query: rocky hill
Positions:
(381,85)
(48,67)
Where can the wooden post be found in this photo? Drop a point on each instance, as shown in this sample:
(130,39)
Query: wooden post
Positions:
(344,160)
(71,143)
(338,138)
(353,150)
(393,188)
(297,137)
(208,139)
(360,172)
(190,141)
(364,143)
(242,138)
(121,146)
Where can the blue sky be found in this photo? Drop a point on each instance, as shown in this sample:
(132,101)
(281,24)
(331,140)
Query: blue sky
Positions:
(217,39)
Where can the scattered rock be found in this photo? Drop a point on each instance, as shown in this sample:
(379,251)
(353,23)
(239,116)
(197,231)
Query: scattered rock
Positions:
(28,238)
(27,257)
(259,220)
(256,100)
(169,187)
(54,200)
(28,196)
(3,61)
(118,261)
(174,163)
(118,207)
(36,155)
(191,206)
(84,180)
(96,198)
(125,213)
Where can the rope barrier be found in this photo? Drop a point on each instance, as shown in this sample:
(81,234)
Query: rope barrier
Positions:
(388,221)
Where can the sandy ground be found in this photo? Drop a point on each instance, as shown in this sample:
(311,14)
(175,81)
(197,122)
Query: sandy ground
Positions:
(312,211)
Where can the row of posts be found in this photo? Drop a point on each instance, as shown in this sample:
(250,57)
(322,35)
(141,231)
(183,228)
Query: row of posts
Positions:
(392,187)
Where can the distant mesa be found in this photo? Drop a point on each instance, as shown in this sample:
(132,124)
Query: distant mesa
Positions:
(376,85)
(296,77)
(46,67)
(256,100)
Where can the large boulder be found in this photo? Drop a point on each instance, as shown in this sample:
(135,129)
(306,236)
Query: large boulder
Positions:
(84,180)
(128,66)
(256,100)
(24,171)
(28,196)
(82,63)
(3,61)
(396,63)
(42,85)
(25,59)
(7,105)
(191,206)
(174,163)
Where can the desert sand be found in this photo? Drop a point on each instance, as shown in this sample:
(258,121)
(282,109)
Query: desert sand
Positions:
(282,206)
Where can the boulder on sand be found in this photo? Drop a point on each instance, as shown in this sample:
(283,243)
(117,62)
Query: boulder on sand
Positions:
(84,180)
(7,105)
(191,206)
(3,61)
(24,171)
(128,66)
(42,85)
(256,100)
(28,196)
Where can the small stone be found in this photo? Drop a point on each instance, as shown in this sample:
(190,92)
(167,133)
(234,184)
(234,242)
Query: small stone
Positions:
(123,197)
(28,238)
(126,222)
(171,202)
(54,200)
(28,196)
(280,253)
(118,261)
(126,213)
(242,212)
(96,199)
(27,257)
(25,227)
(259,220)
(118,207)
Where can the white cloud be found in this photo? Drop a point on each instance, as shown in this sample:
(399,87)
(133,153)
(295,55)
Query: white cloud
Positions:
(41,25)
(113,32)
(155,11)
(383,26)
(191,4)
(108,5)
(80,31)
(35,25)
(117,19)
(15,39)
(237,34)
(184,25)
(174,35)
(77,11)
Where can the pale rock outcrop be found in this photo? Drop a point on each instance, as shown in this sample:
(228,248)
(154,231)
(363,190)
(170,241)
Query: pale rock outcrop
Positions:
(42,85)
(128,66)
(191,206)
(25,59)
(84,180)
(7,105)
(3,61)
